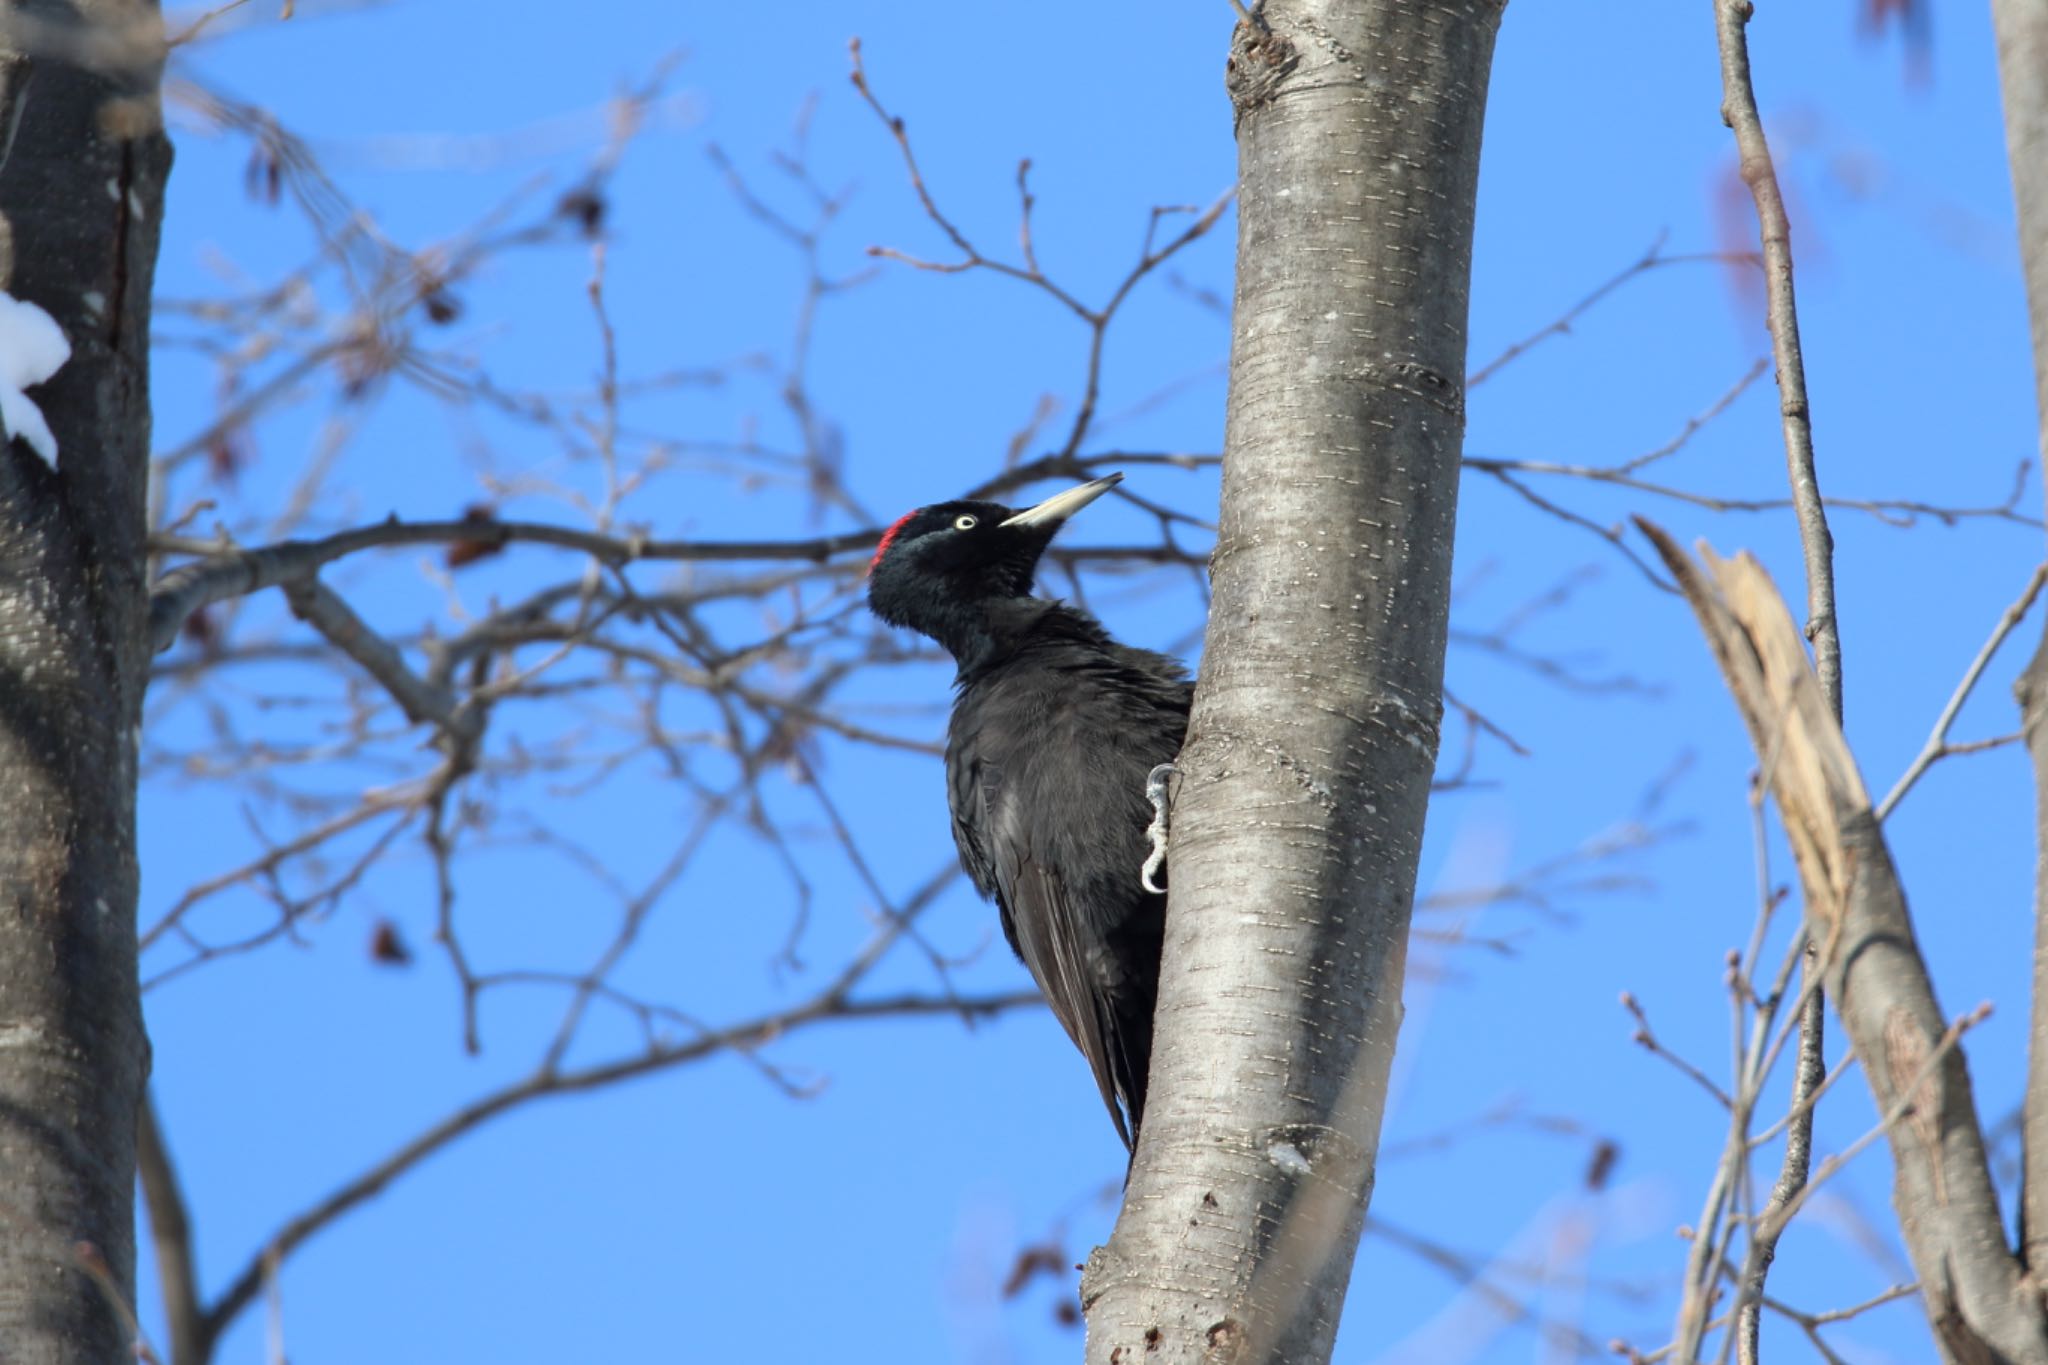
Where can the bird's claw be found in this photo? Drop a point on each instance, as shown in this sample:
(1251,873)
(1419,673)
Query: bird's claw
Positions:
(1156,793)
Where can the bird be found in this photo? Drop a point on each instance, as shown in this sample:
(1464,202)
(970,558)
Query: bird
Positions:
(1055,751)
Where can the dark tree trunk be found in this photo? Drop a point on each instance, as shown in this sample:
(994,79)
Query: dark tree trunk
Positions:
(1313,740)
(81,197)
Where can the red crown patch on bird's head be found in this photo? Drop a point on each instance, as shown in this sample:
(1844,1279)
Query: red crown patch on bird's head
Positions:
(889,536)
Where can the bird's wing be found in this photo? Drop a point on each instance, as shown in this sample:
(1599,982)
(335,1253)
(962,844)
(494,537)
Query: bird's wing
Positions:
(1039,915)
(1041,921)
(965,776)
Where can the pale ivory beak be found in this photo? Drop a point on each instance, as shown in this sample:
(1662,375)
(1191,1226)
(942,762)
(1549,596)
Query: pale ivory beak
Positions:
(1060,506)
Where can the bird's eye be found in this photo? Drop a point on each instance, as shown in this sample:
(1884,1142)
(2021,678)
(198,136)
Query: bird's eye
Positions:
(966,521)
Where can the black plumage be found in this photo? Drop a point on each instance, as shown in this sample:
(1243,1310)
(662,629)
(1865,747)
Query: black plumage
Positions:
(1055,729)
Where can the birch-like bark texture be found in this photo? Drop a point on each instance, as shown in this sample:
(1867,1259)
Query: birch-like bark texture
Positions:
(1981,1305)
(81,197)
(1306,773)
(2022,29)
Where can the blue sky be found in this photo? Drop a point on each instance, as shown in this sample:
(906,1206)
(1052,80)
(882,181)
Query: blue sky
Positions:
(692,1215)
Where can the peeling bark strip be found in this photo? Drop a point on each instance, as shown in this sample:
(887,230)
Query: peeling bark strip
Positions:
(81,196)
(1307,769)
(1977,1298)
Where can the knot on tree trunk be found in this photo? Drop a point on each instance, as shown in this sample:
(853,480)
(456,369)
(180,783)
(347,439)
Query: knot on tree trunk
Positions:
(1259,63)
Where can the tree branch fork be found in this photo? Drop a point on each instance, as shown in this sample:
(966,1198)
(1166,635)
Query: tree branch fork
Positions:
(1979,1296)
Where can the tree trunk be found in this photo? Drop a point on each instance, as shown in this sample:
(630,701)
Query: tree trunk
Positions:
(2022,30)
(1310,751)
(81,197)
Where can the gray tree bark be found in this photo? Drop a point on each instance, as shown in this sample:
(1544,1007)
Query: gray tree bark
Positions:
(81,196)
(2022,30)
(1306,773)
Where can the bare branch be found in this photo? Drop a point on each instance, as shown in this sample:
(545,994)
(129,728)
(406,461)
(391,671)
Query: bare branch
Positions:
(1652,259)
(1855,910)
(423,702)
(1899,512)
(228,572)
(170,1231)
(1097,319)
(1911,1102)
(1809,1076)
(1739,111)
(1937,746)
(2020,29)
(1648,1039)
(828,1005)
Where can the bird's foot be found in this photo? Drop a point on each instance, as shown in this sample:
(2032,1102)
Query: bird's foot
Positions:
(1156,792)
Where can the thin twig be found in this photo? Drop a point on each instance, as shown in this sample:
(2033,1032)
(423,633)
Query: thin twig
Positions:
(1150,257)
(1648,1040)
(1809,1075)
(1652,259)
(1937,746)
(1903,513)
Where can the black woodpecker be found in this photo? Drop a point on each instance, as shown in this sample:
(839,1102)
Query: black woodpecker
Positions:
(1056,730)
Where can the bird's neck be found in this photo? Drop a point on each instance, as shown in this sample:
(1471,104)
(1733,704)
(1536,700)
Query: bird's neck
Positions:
(983,636)
(972,631)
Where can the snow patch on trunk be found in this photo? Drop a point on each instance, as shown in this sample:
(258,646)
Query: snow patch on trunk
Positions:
(32,348)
